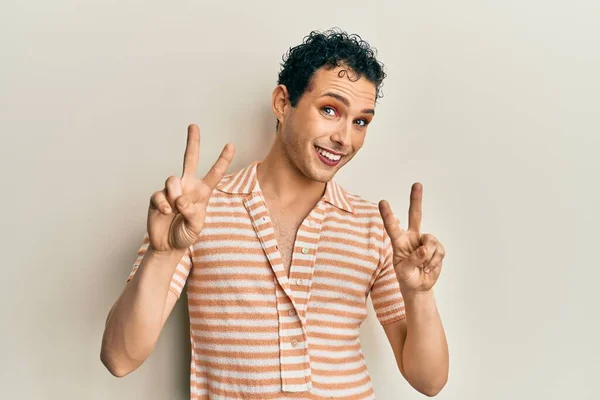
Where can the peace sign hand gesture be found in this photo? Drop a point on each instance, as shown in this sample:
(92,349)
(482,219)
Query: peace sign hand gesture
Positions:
(176,214)
(417,258)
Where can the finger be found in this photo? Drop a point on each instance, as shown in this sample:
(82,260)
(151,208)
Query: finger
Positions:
(414,211)
(411,264)
(158,201)
(431,243)
(173,189)
(435,261)
(430,254)
(192,151)
(419,256)
(187,208)
(391,224)
(438,257)
(219,168)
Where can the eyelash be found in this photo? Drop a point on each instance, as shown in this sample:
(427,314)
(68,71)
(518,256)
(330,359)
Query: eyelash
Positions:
(331,108)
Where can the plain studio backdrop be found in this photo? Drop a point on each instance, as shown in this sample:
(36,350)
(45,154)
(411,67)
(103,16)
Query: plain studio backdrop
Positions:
(493,106)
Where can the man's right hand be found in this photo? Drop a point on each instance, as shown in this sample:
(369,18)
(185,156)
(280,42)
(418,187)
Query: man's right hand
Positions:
(176,213)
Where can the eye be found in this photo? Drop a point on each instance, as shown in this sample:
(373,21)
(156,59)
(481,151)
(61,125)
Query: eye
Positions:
(326,108)
(364,122)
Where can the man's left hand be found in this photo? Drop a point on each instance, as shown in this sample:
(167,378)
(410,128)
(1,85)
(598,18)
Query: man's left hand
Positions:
(418,257)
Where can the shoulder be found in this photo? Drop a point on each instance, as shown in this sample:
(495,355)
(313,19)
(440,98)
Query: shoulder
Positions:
(365,211)
(360,203)
(362,207)
(367,220)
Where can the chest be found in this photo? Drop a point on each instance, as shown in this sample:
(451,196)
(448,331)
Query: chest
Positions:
(325,255)
(286,227)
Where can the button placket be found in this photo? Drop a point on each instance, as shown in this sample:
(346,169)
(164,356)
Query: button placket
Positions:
(316,221)
(283,294)
(252,203)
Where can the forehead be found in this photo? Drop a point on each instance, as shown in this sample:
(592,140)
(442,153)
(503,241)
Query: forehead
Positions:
(342,80)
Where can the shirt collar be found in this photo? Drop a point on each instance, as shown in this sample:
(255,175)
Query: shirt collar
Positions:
(245,181)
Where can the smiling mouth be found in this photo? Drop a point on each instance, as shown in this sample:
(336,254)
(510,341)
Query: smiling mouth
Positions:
(328,158)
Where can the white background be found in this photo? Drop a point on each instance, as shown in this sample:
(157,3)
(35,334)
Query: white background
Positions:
(493,106)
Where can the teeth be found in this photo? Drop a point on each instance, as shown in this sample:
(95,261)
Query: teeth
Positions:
(332,157)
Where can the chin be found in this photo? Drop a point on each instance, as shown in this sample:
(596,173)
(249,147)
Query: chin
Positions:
(322,177)
(320,173)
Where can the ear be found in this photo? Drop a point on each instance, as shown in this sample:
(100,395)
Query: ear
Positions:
(280,102)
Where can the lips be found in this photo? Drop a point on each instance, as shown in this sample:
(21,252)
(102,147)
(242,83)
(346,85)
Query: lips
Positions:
(327,157)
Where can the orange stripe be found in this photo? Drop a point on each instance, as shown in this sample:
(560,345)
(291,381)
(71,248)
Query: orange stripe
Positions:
(204,280)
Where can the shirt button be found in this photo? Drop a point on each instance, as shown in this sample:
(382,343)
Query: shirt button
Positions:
(312,223)
(305,250)
(299,282)
(291,313)
(294,343)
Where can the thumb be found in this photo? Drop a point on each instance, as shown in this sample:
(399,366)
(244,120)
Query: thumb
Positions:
(409,266)
(188,210)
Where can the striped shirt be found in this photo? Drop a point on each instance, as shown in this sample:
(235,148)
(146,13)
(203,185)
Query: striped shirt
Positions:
(257,333)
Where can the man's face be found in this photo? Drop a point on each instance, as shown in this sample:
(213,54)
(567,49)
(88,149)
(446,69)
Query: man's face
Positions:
(328,126)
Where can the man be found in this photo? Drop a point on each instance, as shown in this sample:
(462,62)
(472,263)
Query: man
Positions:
(279,259)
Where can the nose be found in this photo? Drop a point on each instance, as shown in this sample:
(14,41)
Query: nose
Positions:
(342,136)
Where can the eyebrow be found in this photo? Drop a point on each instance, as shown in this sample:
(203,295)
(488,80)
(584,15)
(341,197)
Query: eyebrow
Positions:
(346,102)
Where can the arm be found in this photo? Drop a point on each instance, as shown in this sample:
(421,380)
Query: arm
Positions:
(419,344)
(175,218)
(138,316)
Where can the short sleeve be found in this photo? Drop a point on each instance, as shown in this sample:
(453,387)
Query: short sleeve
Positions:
(385,291)
(181,272)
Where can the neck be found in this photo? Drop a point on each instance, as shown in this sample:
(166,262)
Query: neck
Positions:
(282,181)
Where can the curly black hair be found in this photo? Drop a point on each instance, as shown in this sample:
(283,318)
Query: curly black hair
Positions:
(330,49)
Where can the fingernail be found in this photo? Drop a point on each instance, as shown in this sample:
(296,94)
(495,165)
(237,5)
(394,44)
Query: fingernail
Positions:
(427,270)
